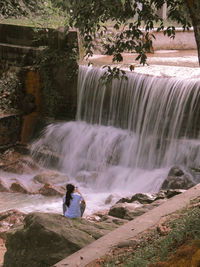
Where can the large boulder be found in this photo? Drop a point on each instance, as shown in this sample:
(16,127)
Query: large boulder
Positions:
(177,179)
(143,198)
(14,162)
(50,190)
(18,187)
(48,238)
(126,211)
(50,176)
(131,207)
(10,219)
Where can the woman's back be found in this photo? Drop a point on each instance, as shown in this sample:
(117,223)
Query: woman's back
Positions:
(73,211)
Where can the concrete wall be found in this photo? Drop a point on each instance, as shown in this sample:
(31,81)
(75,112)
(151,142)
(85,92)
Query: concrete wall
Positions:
(54,86)
(183,40)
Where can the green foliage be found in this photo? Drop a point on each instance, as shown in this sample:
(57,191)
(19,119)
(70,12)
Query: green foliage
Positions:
(35,13)
(16,8)
(133,23)
(184,229)
(111,74)
(10,92)
(51,59)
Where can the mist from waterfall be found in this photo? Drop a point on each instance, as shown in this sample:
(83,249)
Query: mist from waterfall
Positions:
(127,134)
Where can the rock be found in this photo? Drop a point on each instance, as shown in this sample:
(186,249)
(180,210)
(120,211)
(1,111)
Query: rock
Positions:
(115,220)
(142,198)
(10,219)
(20,166)
(45,239)
(172,193)
(12,161)
(127,211)
(160,195)
(17,187)
(177,179)
(3,187)
(111,198)
(175,171)
(49,176)
(102,216)
(124,199)
(52,190)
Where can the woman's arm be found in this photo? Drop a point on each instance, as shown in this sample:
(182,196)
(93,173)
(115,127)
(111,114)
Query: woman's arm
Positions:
(83,200)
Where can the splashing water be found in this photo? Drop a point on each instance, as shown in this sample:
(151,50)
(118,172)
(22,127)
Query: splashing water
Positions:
(127,134)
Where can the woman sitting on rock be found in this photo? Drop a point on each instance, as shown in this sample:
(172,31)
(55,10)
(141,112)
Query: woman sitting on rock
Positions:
(73,202)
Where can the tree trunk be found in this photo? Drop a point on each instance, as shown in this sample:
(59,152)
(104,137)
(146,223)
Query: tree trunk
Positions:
(197,37)
(194,10)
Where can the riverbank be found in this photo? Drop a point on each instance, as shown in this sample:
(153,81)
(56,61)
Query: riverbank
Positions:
(128,231)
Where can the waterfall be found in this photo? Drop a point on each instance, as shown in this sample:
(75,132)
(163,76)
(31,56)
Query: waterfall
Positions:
(129,133)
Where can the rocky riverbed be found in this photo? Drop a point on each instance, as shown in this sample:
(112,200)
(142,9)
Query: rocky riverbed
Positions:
(42,239)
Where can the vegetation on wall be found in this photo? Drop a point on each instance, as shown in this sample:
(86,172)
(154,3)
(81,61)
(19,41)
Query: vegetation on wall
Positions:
(16,8)
(10,92)
(133,21)
(52,61)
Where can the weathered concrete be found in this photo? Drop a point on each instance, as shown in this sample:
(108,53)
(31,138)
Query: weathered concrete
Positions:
(31,36)
(182,41)
(129,230)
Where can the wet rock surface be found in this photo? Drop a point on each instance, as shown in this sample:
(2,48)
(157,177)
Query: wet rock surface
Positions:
(138,204)
(10,219)
(47,238)
(50,176)
(177,179)
(17,187)
(51,190)
(15,162)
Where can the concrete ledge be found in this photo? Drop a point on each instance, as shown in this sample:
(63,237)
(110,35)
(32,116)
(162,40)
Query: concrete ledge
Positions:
(18,54)
(129,230)
(34,37)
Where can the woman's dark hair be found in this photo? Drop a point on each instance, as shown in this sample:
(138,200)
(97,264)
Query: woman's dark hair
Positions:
(70,188)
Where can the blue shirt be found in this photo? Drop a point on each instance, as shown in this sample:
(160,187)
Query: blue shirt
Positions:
(73,211)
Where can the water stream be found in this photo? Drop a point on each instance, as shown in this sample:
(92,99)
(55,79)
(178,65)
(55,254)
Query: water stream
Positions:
(126,137)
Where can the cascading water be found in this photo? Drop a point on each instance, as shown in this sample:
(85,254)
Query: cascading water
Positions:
(127,134)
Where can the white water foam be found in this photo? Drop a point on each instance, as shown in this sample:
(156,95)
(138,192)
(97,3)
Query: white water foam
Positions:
(127,136)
